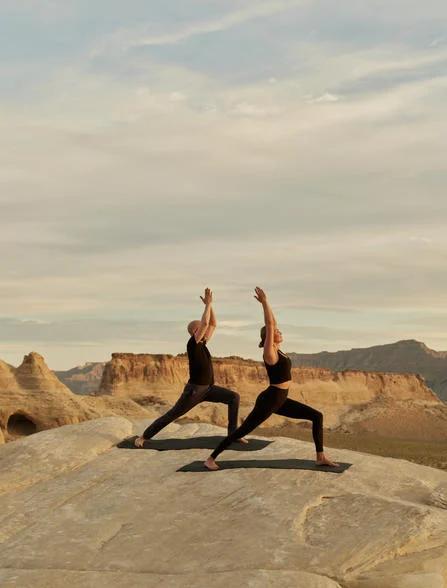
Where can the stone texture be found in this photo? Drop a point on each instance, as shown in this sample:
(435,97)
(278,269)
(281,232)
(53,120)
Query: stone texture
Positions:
(81,579)
(399,581)
(74,508)
(439,496)
(34,393)
(33,399)
(117,406)
(49,453)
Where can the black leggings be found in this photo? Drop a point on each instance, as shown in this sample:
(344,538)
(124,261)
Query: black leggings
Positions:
(192,395)
(274,400)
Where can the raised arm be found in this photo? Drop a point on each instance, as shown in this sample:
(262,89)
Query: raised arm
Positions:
(270,352)
(199,333)
(212,324)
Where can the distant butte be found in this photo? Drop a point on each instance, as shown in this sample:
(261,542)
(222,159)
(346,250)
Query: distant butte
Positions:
(406,356)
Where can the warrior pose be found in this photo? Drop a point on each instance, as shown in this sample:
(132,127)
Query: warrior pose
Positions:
(274,398)
(200,387)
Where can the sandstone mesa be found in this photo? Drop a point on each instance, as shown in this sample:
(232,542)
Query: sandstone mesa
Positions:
(33,399)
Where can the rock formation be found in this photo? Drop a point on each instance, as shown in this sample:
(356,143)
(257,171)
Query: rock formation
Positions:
(141,386)
(136,375)
(75,509)
(112,406)
(83,379)
(407,356)
(33,399)
(396,404)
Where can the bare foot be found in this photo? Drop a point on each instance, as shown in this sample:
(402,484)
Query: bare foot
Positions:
(210,464)
(322,460)
(242,440)
(139,442)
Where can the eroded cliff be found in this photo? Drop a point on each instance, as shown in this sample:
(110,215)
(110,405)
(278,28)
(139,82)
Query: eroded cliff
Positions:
(399,404)
(33,399)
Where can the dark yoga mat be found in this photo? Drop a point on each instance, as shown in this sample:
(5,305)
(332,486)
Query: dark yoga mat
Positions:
(193,443)
(275,464)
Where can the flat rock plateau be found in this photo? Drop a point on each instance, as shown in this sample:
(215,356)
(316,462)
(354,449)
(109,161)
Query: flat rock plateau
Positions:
(77,510)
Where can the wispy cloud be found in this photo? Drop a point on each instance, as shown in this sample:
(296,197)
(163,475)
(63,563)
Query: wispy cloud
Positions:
(326,97)
(227,21)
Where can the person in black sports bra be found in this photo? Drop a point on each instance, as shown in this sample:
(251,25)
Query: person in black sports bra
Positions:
(274,398)
(200,386)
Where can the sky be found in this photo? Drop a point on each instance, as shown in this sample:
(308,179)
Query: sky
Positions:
(152,149)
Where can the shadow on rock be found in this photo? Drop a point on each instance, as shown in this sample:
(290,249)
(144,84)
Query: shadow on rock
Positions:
(193,443)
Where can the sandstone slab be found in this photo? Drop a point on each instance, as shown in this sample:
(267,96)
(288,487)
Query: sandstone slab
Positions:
(121,517)
(49,453)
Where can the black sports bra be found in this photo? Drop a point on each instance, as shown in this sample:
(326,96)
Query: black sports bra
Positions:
(281,371)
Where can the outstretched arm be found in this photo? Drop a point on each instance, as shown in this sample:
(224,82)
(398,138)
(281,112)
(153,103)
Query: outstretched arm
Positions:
(199,333)
(270,353)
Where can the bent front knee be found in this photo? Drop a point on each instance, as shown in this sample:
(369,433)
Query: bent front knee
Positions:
(318,417)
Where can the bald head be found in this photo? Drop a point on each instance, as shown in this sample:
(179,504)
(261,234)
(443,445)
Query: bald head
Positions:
(193,326)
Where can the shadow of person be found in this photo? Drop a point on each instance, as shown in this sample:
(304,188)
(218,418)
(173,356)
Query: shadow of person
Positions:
(275,464)
(193,443)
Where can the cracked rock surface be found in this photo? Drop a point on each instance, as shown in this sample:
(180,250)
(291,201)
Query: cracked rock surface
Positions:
(77,510)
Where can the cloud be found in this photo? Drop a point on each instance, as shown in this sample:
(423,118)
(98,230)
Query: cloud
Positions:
(326,97)
(238,17)
(130,182)
(438,41)
(161,33)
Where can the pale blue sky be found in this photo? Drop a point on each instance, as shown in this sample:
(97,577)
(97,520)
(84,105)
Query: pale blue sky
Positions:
(151,149)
